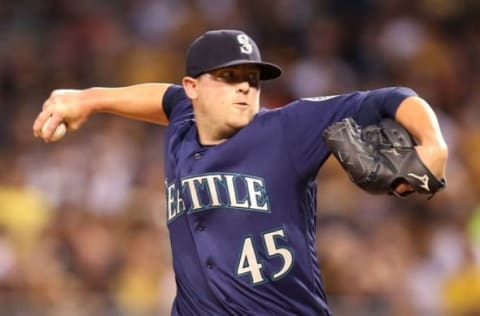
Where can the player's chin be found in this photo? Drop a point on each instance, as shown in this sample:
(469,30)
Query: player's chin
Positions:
(240,121)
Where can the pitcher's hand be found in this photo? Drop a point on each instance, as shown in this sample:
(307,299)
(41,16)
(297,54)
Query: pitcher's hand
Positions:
(63,106)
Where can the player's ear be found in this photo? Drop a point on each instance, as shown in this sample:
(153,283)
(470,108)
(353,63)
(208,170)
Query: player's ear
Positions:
(190,87)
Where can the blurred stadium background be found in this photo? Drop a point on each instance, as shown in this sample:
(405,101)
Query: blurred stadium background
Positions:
(82,221)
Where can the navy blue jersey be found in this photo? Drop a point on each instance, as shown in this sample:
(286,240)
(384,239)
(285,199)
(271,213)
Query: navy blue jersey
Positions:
(241,214)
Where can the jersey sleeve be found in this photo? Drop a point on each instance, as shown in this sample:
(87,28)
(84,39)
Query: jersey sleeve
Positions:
(304,120)
(176,105)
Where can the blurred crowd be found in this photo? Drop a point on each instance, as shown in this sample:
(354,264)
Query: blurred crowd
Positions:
(82,221)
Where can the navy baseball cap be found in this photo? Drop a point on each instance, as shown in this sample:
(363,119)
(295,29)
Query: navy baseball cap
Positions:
(222,48)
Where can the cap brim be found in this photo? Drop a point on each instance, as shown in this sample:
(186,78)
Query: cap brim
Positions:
(268,71)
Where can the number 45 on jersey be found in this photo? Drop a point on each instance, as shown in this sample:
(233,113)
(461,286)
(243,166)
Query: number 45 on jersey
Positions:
(250,264)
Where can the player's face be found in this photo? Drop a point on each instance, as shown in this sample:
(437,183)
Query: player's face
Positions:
(227,99)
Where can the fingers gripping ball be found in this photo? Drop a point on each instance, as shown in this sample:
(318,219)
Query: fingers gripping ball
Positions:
(378,157)
(59,132)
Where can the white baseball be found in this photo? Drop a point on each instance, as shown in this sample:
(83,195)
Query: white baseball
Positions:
(59,132)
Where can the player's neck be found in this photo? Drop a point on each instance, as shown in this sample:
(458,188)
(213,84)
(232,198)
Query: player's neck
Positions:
(208,136)
(206,139)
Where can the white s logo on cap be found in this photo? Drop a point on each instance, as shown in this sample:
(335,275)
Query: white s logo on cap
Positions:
(245,45)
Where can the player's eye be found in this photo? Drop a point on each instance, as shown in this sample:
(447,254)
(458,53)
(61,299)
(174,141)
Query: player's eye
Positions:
(253,79)
(228,76)
(236,76)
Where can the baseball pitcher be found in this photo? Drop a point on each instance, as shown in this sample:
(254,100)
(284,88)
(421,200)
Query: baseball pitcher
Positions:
(240,180)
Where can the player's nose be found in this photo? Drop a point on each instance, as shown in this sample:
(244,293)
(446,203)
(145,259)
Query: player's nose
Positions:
(243,86)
